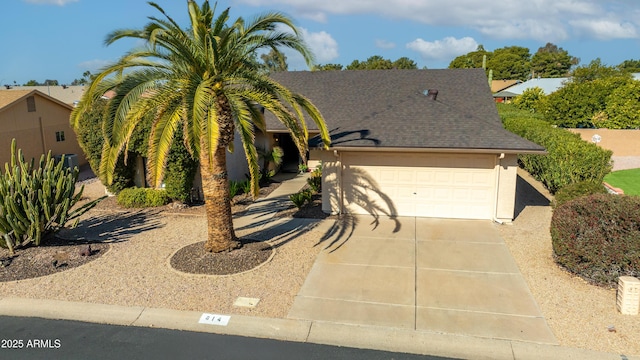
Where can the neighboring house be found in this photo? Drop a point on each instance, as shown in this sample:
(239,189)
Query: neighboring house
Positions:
(67,94)
(39,123)
(499,85)
(548,86)
(425,143)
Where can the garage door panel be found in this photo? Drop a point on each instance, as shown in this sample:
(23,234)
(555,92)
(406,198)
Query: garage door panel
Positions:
(430,185)
(384,176)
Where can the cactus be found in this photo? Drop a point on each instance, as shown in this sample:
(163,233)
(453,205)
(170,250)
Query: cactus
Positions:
(38,201)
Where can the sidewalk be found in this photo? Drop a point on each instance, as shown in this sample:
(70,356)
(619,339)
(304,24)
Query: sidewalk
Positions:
(260,216)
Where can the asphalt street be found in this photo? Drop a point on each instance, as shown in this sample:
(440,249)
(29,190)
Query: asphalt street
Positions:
(35,338)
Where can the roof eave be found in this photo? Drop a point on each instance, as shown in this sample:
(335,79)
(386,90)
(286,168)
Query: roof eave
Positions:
(435,150)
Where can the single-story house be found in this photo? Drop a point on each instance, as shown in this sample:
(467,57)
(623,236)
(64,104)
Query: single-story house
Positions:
(548,86)
(426,143)
(39,123)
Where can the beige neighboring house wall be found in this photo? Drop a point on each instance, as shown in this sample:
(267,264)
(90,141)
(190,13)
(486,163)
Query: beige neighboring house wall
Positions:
(39,123)
(427,184)
(621,142)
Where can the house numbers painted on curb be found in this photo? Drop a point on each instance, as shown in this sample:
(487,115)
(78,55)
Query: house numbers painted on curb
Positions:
(213,319)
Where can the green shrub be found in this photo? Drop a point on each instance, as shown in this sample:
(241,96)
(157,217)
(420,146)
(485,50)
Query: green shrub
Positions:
(315,180)
(598,237)
(576,190)
(234,188)
(246,186)
(301,197)
(180,171)
(123,174)
(575,104)
(36,201)
(142,197)
(265,177)
(530,100)
(569,160)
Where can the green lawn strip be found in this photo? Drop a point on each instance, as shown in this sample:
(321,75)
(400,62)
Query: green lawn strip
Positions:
(627,180)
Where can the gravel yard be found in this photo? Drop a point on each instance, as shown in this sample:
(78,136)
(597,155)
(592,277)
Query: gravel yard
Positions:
(579,314)
(135,271)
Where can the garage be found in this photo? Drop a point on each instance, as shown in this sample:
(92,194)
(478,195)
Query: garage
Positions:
(420,184)
(426,143)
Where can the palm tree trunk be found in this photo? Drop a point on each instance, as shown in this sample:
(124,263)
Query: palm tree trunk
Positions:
(215,187)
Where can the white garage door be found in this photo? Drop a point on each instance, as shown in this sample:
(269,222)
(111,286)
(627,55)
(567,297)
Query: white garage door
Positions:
(426,185)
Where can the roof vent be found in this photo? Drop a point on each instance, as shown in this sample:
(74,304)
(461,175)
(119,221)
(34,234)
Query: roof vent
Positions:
(431,93)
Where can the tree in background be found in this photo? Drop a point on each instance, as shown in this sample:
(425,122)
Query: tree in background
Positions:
(596,70)
(471,60)
(404,63)
(375,62)
(327,67)
(630,66)
(86,78)
(516,62)
(47,82)
(201,79)
(274,61)
(510,62)
(552,61)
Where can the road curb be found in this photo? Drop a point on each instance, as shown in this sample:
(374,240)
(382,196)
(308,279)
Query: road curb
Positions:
(319,332)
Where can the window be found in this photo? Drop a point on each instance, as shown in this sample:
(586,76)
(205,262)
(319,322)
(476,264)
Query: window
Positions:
(59,136)
(31,104)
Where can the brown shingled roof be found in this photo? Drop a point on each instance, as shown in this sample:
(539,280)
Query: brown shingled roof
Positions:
(390,109)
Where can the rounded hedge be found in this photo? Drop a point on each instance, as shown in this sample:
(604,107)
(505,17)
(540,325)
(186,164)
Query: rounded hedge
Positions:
(142,197)
(569,159)
(576,190)
(597,237)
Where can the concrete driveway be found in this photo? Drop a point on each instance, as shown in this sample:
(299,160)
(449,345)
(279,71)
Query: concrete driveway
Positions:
(437,275)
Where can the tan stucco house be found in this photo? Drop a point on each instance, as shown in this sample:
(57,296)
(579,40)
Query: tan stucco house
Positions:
(425,143)
(39,123)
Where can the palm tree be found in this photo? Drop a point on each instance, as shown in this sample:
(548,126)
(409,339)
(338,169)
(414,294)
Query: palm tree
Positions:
(205,80)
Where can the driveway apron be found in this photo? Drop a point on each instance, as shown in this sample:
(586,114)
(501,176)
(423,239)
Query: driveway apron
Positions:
(438,275)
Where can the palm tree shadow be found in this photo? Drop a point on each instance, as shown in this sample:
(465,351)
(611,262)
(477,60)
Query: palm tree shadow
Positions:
(112,227)
(364,193)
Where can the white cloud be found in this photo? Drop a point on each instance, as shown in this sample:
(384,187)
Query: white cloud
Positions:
(605,29)
(542,20)
(384,44)
(443,49)
(323,45)
(51,2)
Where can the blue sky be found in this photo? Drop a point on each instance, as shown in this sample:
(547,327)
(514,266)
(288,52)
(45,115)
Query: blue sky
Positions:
(60,39)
